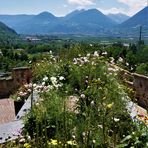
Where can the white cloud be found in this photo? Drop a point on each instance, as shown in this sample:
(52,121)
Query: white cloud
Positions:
(112,10)
(134,5)
(133,2)
(81,2)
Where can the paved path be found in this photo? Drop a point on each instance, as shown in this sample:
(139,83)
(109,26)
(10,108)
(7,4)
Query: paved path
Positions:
(7,111)
(12,130)
(136,110)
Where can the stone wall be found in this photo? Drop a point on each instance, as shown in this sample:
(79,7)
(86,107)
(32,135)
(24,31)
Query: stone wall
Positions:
(139,84)
(6,87)
(19,77)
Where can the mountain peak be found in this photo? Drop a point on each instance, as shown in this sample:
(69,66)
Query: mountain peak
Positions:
(94,11)
(45,15)
(73,13)
(91,18)
(140,18)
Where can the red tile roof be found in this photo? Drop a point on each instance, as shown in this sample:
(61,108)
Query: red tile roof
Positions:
(7,110)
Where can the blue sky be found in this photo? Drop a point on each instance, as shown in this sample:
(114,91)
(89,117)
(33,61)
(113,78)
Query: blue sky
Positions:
(62,7)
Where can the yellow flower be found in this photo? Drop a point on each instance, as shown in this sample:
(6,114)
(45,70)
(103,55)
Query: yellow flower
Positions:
(110,105)
(71,143)
(53,142)
(27,145)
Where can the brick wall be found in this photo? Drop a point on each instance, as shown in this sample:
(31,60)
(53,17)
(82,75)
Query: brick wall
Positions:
(19,77)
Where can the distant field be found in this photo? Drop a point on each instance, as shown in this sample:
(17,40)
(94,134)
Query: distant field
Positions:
(105,40)
(86,38)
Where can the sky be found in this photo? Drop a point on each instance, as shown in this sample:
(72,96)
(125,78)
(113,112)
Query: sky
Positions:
(63,7)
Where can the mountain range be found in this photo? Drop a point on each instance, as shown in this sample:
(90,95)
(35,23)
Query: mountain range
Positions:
(80,21)
(87,22)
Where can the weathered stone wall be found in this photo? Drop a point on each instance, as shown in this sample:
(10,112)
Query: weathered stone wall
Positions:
(19,77)
(6,87)
(140,85)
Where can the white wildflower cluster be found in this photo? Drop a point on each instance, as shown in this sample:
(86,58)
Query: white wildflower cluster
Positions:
(53,80)
(52,57)
(127,64)
(42,88)
(112,60)
(132,68)
(50,52)
(92,103)
(23,92)
(120,59)
(86,59)
(45,78)
(82,96)
(113,69)
(61,78)
(88,55)
(104,53)
(49,84)
(81,60)
(116,119)
(100,126)
(56,82)
(96,54)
